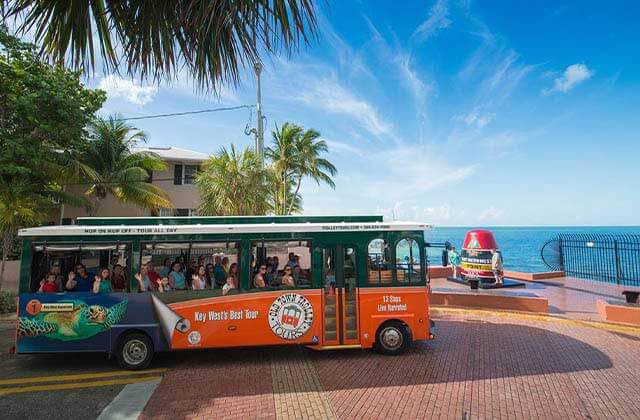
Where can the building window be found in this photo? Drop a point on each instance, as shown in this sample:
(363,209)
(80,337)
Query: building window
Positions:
(184,174)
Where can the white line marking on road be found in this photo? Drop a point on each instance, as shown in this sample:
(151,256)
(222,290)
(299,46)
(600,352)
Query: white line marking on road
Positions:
(130,402)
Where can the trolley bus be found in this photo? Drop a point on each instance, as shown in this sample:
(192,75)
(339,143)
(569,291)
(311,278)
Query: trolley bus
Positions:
(323,282)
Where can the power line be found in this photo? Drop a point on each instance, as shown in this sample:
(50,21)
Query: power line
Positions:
(176,114)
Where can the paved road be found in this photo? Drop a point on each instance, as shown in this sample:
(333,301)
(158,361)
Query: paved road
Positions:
(86,402)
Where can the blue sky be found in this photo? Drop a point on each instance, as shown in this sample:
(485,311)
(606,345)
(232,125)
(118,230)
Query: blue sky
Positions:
(450,112)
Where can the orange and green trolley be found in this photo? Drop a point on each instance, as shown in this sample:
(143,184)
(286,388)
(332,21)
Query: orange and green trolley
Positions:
(357,282)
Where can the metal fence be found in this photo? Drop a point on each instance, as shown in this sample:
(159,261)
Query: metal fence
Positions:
(601,257)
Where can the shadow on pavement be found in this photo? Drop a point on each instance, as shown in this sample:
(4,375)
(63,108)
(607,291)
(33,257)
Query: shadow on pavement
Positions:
(463,351)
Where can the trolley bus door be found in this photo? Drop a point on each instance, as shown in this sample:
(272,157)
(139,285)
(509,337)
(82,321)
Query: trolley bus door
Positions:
(340,295)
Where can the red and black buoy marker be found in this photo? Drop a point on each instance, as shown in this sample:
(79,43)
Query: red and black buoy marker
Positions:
(475,261)
(476,255)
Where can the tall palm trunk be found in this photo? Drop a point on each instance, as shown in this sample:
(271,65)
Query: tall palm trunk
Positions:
(293,198)
(284,193)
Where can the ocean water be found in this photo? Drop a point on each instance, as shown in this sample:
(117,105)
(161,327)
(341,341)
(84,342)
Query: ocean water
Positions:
(520,246)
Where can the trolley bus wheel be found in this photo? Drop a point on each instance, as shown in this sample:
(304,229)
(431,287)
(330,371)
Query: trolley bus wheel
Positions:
(392,338)
(135,351)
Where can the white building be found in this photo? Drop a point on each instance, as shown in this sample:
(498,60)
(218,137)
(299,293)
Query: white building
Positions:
(176,181)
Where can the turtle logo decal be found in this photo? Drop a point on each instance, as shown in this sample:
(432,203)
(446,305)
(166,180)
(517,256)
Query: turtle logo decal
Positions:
(82,321)
(290,316)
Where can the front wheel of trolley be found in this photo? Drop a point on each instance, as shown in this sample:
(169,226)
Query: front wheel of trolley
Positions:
(135,351)
(392,338)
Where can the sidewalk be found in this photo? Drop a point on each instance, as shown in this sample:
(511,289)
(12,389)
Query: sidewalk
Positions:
(568,297)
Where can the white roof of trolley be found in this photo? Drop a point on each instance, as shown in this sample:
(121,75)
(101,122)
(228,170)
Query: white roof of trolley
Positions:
(106,230)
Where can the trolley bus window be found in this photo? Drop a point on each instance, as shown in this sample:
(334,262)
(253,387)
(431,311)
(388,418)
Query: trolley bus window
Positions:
(287,263)
(61,259)
(379,271)
(407,261)
(218,258)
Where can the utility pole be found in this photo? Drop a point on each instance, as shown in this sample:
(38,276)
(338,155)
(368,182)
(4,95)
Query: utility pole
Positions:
(259,131)
(260,136)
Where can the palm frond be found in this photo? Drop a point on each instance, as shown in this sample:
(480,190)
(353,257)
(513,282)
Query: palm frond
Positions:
(211,40)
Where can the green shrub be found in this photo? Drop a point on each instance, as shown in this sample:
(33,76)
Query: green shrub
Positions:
(7,302)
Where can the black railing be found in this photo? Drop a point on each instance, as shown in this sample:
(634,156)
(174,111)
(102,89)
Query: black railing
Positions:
(607,258)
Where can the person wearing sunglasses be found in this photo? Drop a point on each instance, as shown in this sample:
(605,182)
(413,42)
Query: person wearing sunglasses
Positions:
(287,278)
(258,279)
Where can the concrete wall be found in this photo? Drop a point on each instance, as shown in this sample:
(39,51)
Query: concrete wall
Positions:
(11,275)
(182,196)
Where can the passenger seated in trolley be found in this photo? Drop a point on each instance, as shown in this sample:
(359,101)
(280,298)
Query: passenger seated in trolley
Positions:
(199,280)
(287,278)
(48,284)
(258,279)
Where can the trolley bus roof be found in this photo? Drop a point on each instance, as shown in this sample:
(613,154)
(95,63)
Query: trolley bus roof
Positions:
(225,220)
(195,229)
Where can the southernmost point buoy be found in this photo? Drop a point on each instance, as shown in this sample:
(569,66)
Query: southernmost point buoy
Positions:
(476,255)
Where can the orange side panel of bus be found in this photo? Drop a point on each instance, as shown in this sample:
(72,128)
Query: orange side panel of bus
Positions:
(407,304)
(250,319)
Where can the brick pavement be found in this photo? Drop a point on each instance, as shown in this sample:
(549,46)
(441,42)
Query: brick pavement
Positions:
(481,364)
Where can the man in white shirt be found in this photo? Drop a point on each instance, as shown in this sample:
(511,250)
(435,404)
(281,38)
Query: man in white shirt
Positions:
(496,266)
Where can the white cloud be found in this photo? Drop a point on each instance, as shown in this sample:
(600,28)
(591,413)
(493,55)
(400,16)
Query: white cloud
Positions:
(410,169)
(350,60)
(413,82)
(402,66)
(475,118)
(134,92)
(490,214)
(328,94)
(342,148)
(573,76)
(438,19)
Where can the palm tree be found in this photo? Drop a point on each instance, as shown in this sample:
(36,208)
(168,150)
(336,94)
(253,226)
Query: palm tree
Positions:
(296,154)
(211,39)
(284,163)
(110,165)
(310,163)
(233,183)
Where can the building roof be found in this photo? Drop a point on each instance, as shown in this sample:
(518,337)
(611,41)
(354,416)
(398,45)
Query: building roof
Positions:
(227,229)
(175,154)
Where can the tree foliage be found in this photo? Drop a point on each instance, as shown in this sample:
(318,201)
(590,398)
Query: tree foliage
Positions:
(233,183)
(43,114)
(211,39)
(109,164)
(296,154)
